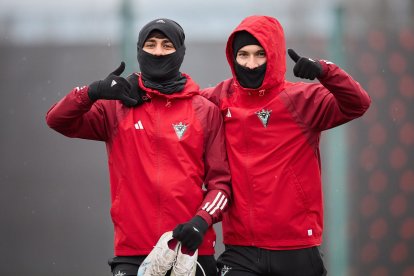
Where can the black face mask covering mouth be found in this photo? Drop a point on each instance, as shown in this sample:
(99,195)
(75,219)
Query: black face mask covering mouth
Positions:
(161,69)
(250,78)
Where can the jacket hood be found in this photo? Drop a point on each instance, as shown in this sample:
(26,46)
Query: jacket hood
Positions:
(269,32)
(190,89)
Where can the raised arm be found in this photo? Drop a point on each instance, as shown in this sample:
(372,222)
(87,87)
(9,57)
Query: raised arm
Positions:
(336,100)
(80,114)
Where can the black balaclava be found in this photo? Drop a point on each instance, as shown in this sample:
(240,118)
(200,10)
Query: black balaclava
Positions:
(162,72)
(248,78)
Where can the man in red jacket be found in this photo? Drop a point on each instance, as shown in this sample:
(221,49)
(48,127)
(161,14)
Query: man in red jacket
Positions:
(167,159)
(272,127)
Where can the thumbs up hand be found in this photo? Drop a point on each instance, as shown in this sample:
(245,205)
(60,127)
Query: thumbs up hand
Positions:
(305,68)
(113,87)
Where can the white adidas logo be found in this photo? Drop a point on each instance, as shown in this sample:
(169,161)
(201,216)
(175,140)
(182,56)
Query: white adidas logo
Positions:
(138,125)
(113,83)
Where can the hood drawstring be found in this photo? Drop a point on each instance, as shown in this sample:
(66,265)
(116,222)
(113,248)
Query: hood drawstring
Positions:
(168,104)
(261,91)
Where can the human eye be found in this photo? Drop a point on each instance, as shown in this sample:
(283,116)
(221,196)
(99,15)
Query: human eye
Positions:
(261,54)
(242,54)
(149,44)
(169,45)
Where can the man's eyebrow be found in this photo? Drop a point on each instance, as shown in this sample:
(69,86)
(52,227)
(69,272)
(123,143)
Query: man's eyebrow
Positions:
(153,39)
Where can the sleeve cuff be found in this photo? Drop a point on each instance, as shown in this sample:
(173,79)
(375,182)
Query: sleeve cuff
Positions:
(82,95)
(205,216)
(325,68)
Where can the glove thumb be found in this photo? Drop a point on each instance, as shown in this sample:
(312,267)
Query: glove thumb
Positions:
(118,71)
(293,55)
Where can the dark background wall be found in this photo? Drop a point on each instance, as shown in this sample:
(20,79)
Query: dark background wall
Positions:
(381,225)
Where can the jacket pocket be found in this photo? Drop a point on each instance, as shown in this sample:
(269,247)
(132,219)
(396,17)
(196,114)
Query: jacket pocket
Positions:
(303,199)
(116,203)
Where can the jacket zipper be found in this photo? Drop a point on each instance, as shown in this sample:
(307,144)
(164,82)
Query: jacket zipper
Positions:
(157,148)
(251,203)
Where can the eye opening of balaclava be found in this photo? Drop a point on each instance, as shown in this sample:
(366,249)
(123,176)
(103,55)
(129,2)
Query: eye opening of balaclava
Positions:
(162,72)
(248,78)
(156,34)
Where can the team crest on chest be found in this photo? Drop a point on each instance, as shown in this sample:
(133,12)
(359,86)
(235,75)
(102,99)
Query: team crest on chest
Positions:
(264,116)
(179,129)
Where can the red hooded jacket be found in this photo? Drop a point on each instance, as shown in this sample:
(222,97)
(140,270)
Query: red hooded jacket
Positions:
(272,137)
(160,155)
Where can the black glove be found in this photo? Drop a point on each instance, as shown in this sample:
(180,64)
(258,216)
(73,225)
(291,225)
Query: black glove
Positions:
(191,233)
(305,68)
(136,92)
(113,87)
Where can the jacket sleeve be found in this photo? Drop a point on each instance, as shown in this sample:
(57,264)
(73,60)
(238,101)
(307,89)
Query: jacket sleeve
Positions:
(217,172)
(215,93)
(211,94)
(337,99)
(76,116)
